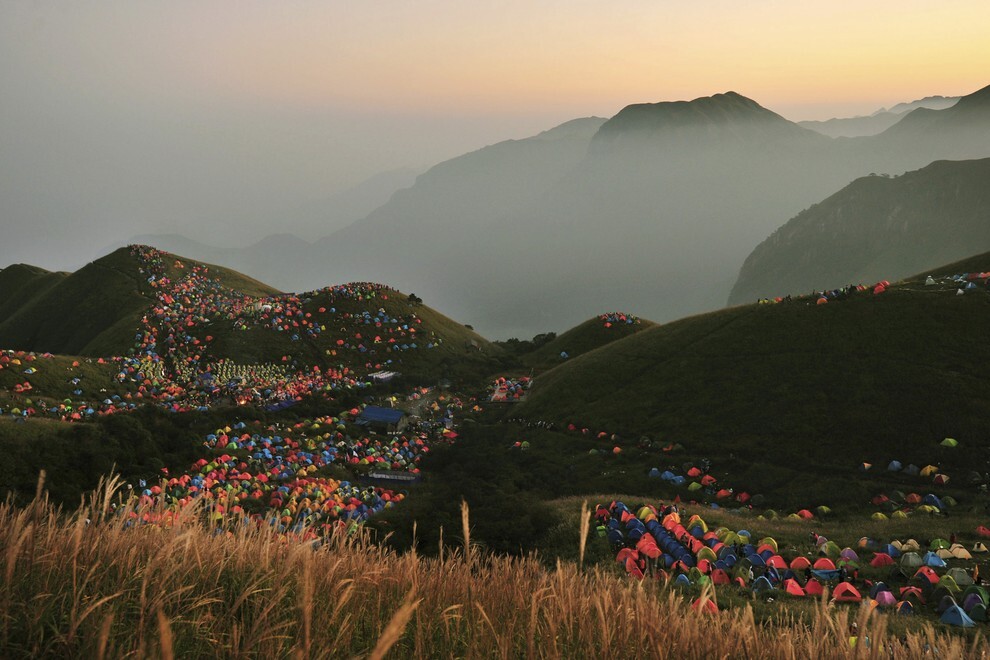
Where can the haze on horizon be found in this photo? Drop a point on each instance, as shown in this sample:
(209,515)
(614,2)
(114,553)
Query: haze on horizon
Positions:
(218,119)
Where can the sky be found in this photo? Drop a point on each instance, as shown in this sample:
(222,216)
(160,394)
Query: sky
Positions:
(218,118)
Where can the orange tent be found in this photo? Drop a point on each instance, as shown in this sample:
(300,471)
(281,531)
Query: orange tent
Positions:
(824,564)
(846,593)
(800,563)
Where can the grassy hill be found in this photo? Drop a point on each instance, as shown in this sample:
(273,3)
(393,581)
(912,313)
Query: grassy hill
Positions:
(93,311)
(593,333)
(790,398)
(206,314)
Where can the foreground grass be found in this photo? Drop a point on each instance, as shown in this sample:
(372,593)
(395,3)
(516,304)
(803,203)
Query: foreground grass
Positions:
(93,585)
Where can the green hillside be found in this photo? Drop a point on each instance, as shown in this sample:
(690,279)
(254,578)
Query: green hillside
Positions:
(21,282)
(792,397)
(593,333)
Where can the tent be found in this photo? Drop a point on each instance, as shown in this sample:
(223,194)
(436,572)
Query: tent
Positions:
(928,574)
(959,552)
(814,588)
(792,588)
(938,544)
(881,559)
(950,442)
(959,576)
(800,563)
(955,616)
(911,560)
(885,599)
(824,564)
(846,593)
(761,584)
(830,549)
(894,466)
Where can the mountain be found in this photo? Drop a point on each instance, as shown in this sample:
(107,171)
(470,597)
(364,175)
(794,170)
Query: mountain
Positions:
(654,209)
(879,121)
(773,393)
(874,228)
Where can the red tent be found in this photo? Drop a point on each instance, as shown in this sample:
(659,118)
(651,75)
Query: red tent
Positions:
(927,573)
(800,563)
(814,588)
(793,588)
(824,564)
(881,559)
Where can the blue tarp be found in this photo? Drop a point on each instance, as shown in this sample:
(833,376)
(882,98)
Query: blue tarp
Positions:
(379,415)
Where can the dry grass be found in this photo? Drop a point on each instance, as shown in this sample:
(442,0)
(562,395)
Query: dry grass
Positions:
(108,588)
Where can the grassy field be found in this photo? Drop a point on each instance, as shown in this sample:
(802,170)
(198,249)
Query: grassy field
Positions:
(96,584)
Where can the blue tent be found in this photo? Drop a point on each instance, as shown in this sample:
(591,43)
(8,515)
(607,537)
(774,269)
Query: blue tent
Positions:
(894,466)
(762,584)
(955,616)
(933,560)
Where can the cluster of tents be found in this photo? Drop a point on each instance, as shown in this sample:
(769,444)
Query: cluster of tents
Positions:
(609,319)
(279,472)
(509,390)
(962,282)
(653,542)
(25,400)
(175,332)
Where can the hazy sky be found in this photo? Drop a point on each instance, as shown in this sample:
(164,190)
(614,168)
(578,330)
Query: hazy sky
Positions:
(128,117)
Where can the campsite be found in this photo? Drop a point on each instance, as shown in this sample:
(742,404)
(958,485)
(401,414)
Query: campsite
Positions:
(258,419)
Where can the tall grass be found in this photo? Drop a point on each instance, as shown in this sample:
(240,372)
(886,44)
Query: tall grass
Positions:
(92,584)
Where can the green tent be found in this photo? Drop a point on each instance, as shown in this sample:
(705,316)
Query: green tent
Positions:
(950,442)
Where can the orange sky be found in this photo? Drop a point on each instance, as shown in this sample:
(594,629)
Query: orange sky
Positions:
(514,56)
(567,58)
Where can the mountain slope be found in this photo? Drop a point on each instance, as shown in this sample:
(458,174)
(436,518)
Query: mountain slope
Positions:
(19,282)
(95,310)
(781,392)
(874,228)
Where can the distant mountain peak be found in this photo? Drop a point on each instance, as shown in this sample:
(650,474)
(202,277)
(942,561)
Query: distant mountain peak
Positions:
(721,116)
